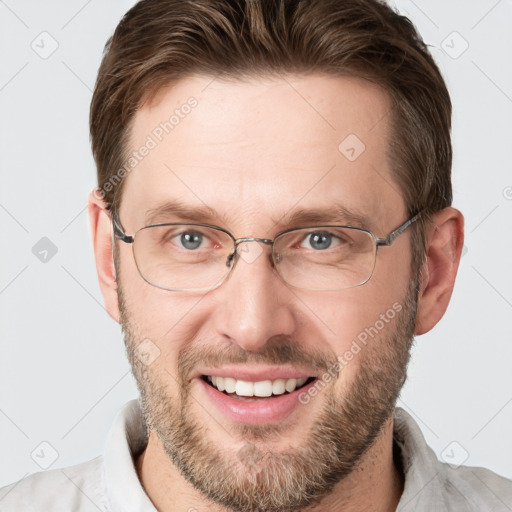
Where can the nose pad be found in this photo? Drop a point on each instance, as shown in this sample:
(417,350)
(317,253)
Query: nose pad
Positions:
(231,258)
(249,253)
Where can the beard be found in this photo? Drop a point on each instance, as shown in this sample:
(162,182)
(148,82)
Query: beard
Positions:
(255,478)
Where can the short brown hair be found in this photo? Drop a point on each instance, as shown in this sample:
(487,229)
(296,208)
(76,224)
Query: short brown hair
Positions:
(160,41)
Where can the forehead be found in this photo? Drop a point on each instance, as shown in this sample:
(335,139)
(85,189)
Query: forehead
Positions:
(261,148)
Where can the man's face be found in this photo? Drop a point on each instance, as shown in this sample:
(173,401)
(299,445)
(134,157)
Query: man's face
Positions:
(256,152)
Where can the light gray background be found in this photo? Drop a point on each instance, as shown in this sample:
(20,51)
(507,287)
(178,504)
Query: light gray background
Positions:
(63,372)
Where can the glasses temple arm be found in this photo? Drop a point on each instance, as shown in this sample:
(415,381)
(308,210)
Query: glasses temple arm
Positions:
(119,231)
(388,240)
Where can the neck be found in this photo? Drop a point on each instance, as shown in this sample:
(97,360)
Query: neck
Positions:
(375,485)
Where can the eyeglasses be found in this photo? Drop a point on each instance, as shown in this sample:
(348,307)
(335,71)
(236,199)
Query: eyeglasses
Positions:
(199,257)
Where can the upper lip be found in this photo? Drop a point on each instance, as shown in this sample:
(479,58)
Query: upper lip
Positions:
(256,374)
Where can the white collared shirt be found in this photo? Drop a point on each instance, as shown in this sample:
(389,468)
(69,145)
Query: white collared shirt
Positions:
(109,483)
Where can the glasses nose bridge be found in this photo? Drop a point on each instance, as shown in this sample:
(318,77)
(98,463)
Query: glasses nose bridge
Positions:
(267,241)
(237,241)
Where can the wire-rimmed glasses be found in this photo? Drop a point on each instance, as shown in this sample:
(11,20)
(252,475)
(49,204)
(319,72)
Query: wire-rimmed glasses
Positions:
(199,257)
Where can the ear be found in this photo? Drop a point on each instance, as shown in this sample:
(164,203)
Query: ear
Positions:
(444,241)
(101,231)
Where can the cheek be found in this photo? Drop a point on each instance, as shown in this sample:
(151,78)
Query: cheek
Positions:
(159,321)
(356,323)
(342,317)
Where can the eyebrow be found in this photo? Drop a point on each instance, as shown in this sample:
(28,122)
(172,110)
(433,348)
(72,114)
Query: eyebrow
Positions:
(336,214)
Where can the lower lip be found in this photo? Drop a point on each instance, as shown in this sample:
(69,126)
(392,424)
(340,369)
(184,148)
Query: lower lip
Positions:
(258,412)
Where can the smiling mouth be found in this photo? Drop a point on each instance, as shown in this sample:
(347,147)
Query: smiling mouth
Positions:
(247,390)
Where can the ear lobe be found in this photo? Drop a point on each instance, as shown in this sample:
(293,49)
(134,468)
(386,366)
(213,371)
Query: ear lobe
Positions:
(444,244)
(101,232)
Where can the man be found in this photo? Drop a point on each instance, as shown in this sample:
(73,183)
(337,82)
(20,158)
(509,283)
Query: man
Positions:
(272,226)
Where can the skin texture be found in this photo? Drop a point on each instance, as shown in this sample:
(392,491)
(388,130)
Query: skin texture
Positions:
(256,150)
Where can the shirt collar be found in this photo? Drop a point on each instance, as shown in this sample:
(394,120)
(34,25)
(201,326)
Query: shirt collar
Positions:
(126,440)
(419,462)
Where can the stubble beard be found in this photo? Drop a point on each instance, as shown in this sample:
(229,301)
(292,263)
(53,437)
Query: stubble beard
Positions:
(251,478)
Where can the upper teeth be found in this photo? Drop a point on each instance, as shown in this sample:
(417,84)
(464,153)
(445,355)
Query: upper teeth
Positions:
(261,388)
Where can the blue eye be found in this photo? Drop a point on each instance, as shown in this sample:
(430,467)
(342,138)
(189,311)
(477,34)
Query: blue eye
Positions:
(322,240)
(191,239)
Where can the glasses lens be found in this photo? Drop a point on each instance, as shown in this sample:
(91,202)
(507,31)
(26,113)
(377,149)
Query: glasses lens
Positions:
(325,258)
(182,256)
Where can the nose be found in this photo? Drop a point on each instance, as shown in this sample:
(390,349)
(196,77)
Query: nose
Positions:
(253,303)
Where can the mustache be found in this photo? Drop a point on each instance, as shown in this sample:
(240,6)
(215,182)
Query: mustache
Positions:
(277,351)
